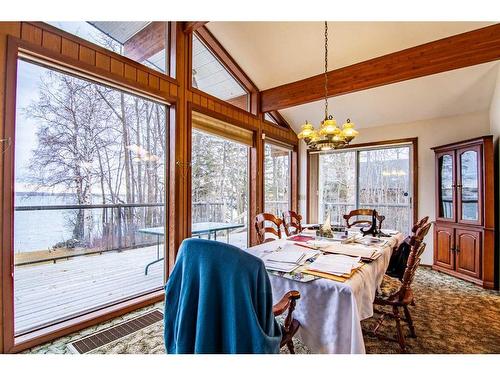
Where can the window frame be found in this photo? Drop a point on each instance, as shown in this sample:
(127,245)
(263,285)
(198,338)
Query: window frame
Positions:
(20,49)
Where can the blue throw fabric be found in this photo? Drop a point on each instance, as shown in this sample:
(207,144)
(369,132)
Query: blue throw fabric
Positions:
(218,299)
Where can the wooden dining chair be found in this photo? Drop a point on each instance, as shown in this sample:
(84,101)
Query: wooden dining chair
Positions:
(419,224)
(267,223)
(400,255)
(207,315)
(363,212)
(292,223)
(399,295)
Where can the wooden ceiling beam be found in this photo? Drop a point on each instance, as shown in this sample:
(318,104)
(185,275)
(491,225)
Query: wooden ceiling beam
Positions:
(458,51)
(190,26)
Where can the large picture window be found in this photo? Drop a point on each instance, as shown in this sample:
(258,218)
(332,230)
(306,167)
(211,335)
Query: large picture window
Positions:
(220,159)
(375,178)
(89,190)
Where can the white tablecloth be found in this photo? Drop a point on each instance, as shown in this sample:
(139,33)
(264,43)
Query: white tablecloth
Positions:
(330,312)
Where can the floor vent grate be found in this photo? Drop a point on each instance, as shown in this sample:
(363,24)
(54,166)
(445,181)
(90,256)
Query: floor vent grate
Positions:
(103,337)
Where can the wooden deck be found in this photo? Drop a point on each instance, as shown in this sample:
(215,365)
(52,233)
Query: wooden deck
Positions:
(47,293)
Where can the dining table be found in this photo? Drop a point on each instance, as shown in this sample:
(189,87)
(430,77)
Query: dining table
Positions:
(330,312)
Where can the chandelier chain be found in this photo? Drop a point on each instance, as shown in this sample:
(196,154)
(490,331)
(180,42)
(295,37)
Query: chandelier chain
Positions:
(326,70)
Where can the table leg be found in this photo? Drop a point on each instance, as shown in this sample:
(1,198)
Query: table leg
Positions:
(227,236)
(215,235)
(158,259)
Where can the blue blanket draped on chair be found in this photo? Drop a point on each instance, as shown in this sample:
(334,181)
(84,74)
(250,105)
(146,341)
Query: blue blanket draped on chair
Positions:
(219,300)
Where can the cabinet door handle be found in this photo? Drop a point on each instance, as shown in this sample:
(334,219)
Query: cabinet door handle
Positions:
(457,249)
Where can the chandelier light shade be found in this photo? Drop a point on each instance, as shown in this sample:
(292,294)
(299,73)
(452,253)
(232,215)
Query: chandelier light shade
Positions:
(329,136)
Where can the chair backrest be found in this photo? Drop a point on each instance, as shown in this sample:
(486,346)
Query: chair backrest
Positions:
(212,286)
(261,225)
(363,212)
(292,223)
(419,224)
(417,249)
(420,234)
(411,267)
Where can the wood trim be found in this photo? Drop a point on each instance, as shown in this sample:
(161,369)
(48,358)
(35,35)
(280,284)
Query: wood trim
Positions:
(116,71)
(457,51)
(76,324)
(31,28)
(469,142)
(191,26)
(6,28)
(230,64)
(225,111)
(8,195)
(179,149)
(280,120)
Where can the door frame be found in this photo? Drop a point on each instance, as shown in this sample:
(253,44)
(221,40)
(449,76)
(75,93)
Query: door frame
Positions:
(313,173)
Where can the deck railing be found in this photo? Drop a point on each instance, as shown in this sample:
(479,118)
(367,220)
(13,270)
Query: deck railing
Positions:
(88,228)
(98,228)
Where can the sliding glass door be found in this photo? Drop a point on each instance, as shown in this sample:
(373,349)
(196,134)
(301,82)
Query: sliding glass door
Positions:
(277,178)
(376,178)
(384,185)
(337,185)
(89,196)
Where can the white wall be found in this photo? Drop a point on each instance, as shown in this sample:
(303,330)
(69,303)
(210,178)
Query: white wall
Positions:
(430,133)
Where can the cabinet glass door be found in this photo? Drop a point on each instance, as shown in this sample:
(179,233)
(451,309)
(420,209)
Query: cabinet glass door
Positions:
(468,185)
(446,186)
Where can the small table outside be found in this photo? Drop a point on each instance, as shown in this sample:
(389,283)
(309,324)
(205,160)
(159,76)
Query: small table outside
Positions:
(197,229)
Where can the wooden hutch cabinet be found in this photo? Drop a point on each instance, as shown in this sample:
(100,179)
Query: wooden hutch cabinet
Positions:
(464,231)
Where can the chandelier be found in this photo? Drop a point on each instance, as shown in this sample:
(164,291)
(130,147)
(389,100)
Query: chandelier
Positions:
(329,136)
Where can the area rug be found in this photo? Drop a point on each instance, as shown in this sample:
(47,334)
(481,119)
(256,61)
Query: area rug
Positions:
(451,316)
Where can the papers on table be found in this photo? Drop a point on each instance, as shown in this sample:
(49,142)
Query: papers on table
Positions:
(354,250)
(335,264)
(288,257)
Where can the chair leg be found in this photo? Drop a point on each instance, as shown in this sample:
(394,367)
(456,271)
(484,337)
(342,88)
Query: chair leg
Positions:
(400,335)
(290,347)
(409,320)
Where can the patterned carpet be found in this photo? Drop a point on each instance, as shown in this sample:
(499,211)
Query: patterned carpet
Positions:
(451,316)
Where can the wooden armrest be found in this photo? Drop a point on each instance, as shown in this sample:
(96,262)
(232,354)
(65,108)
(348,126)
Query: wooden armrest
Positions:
(285,302)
